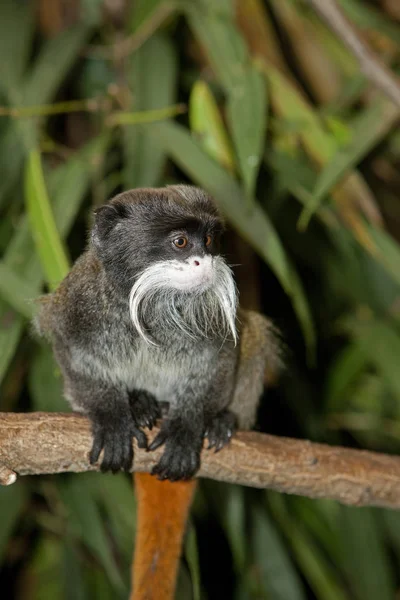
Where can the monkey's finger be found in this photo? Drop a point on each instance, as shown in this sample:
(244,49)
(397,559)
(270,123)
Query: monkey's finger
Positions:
(212,439)
(158,441)
(98,443)
(140,437)
(160,472)
(108,463)
(222,442)
(127,455)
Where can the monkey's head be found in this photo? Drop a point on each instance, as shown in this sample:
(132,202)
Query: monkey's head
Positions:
(160,247)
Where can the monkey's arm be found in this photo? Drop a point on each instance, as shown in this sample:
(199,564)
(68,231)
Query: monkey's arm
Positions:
(112,420)
(182,431)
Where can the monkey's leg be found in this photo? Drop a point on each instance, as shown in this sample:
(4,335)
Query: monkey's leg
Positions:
(182,435)
(220,422)
(112,425)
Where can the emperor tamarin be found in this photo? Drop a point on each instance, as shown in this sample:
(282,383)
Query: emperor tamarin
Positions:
(147,318)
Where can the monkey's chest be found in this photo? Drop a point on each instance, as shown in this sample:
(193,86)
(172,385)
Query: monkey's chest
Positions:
(165,374)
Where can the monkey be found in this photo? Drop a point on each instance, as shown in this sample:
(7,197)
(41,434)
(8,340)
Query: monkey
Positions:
(146,326)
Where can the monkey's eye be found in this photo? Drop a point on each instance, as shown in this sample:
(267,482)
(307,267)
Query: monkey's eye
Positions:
(208,240)
(180,242)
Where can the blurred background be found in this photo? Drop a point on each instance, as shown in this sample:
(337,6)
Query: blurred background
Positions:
(262,105)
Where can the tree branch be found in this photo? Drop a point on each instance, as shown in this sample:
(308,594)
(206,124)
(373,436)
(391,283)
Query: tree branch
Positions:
(370,64)
(44,443)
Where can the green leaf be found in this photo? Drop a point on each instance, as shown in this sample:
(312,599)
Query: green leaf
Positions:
(316,569)
(72,571)
(391,523)
(86,524)
(233,520)
(252,223)
(364,556)
(365,17)
(274,567)
(47,239)
(207,125)
(147,15)
(55,59)
(389,251)
(115,495)
(380,344)
(45,383)
(152,77)
(44,570)
(16,292)
(53,62)
(214,26)
(368,130)
(192,558)
(347,366)
(247,115)
(68,185)
(13,500)
(16,31)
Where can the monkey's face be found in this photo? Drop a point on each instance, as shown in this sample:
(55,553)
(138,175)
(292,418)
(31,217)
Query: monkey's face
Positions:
(161,247)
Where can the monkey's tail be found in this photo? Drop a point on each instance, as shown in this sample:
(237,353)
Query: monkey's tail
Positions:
(162,512)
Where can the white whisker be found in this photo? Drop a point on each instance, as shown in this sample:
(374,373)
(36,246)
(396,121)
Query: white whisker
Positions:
(204,308)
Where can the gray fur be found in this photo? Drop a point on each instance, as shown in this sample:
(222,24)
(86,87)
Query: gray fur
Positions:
(108,368)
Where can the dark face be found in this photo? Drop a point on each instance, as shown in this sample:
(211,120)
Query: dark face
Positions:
(178,227)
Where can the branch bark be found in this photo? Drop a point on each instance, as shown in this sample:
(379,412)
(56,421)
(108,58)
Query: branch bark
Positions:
(45,443)
(370,64)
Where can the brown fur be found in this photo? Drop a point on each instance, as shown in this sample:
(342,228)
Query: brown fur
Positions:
(163,508)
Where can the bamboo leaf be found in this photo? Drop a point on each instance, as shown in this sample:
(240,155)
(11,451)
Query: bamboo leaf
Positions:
(380,345)
(152,75)
(215,28)
(44,229)
(16,31)
(275,570)
(367,131)
(352,197)
(317,570)
(16,292)
(55,59)
(247,114)
(13,500)
(68,185)
(192,558)
(87,525)
(364,556)
(45,383)
(207,125)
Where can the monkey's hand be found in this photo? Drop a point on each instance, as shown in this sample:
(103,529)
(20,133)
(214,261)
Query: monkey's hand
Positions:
(219,429)
(181,457)
(144,408)
(113,431)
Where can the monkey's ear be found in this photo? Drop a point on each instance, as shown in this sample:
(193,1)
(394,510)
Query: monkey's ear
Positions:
(105,219)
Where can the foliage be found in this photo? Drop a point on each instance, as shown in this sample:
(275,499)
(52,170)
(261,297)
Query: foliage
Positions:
(259,103)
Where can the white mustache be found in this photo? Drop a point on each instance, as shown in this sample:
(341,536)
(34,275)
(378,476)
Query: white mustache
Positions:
(204,309)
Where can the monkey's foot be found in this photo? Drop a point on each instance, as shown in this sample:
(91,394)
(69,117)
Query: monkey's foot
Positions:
(144,408)
(114,434)
(181,457)
(220,429)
